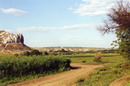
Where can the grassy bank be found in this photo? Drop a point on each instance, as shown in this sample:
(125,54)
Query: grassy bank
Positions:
(15,69)
(104,76)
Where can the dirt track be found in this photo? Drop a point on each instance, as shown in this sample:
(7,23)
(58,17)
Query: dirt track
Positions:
(67,78)
(120,81)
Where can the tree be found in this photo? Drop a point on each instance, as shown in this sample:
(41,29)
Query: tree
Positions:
(119,22)
(26,53)
(35,52)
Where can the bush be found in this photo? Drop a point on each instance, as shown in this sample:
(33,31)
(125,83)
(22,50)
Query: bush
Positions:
(27,53)
(80,80)
(13,67)
(45,53)
(16,55)
(97,57)
(35,52)
(32,53)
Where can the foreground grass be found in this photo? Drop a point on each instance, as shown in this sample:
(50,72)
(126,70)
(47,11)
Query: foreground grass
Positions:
(16,69)
(105,75)
(10,80)
(102,77)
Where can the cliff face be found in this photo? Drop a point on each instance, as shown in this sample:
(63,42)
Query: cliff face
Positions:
(6,37)
(12,42)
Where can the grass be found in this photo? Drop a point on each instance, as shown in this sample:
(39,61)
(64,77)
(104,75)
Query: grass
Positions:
(105,75)
(80,80)
(89,55)
(106,58)
(102,77)
(6,80)
(127,84)
(15,69)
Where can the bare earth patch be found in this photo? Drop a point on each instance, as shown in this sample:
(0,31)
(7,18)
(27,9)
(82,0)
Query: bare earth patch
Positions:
(67,78)
(120,81)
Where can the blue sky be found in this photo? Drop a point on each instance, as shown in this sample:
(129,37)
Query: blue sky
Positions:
(65,23)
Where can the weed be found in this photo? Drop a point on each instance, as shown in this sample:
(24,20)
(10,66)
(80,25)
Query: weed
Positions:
(79,80)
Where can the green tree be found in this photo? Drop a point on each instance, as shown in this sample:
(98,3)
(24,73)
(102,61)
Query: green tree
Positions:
(26,53)
(35,52)
(119,22)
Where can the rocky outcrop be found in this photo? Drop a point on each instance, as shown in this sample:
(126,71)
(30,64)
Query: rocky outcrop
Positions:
(7,37)
(12,42)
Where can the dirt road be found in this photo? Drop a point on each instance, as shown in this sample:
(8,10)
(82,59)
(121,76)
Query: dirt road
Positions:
(67,78)
(120,81)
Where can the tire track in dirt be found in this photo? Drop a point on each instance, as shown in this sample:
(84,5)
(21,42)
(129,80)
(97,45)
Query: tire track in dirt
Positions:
(120,81)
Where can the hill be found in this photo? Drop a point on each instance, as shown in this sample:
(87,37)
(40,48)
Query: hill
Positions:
(10,42)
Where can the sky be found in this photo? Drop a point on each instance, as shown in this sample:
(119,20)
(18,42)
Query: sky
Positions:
(57,23)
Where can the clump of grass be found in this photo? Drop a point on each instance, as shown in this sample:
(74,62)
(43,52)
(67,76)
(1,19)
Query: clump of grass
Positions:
(97,57)
(80,80)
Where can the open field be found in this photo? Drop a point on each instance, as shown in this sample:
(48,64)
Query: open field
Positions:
(105,75)
(110,72)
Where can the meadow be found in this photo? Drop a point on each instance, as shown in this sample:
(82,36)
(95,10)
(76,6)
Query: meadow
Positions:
(115,67)
(20,68)
(105,75)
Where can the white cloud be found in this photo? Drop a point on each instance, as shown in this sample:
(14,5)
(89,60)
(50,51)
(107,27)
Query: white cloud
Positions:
(94,7)
(42,28)
(13,11)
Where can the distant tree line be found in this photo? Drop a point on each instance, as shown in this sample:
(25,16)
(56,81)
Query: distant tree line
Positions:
(65,52)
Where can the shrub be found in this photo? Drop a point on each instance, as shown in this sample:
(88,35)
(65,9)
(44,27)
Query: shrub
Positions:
(45,53)
(16,55)
(80,80)
(97,57)
(13,67)
(35,52)
(26,53)
(32,53)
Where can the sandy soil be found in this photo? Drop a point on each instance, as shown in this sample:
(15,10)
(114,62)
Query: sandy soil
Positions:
(67,78)
(120,81)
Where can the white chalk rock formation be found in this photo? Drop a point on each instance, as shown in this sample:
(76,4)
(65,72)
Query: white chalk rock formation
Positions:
(7,37)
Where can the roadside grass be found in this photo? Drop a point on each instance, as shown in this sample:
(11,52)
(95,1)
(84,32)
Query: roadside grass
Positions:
(79,80)
(127,83)
(17,69)
(11,80)
(104,72)
(105,75)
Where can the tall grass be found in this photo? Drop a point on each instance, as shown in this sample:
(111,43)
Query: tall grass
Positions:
(20,66)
